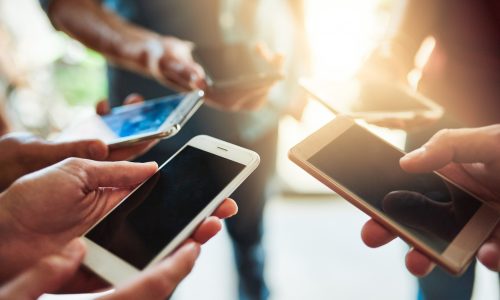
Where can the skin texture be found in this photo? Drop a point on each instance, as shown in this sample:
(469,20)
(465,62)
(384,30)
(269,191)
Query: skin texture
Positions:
(23,153)
(52,272)
(471,158)
(166,59)
(43,211)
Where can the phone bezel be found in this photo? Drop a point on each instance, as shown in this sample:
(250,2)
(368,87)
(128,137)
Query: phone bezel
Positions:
(116,270)
(459,252)
(434,111)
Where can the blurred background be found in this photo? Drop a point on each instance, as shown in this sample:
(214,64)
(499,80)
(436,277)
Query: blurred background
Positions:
(311,235)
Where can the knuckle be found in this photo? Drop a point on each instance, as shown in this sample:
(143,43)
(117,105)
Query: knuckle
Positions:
(159,285)
(51,265)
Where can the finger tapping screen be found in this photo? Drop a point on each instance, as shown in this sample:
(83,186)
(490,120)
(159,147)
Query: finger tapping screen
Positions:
(149,219)
(139,119)
(430,208)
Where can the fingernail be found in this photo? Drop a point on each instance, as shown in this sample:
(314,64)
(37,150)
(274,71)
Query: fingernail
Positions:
(177,66)
(414,154)
(152,163)
(193,247)
(73,249)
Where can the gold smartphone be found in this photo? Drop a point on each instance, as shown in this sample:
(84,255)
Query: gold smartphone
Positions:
(428,211)
(372,100)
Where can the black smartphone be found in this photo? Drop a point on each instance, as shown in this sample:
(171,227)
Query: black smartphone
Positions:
(235,65)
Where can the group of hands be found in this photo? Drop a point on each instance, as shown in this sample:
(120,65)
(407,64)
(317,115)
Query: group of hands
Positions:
(52,193)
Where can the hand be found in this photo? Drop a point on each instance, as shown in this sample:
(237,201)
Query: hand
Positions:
(25,153)
(169,61)
(43,211)
(470,157)
(245,98)
(51,273)
(130,152)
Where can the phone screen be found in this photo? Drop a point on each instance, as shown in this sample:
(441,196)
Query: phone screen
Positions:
(379,96)
(149,219)
(231,62)
(139,119)
(430,208)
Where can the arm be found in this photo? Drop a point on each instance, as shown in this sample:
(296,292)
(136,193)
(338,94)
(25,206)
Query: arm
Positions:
(413,21)
(167,59)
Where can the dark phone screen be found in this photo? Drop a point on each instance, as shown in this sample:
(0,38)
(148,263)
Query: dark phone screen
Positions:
(429,207)
(142,225)
(231,62)
(140,119)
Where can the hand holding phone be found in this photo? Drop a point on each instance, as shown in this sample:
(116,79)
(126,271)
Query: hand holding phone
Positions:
(160,214)
(131,124)
(453,150)
(63,201)
(365,170)
(239,76)
(378,101)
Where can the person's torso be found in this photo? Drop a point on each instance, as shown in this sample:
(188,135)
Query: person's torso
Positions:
(463,72)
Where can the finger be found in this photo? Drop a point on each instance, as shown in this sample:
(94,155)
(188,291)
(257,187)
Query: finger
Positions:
(207,229)
(489,253)
(227,209)
(49,274)
(375,235)
(160,281)
(457,145)
(102,107)
(55,152)
(418,264)
(109,174)
(133,98)
(179,73)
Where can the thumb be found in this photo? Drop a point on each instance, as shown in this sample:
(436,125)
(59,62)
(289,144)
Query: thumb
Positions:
(48,275)
(161,280)
(90,149)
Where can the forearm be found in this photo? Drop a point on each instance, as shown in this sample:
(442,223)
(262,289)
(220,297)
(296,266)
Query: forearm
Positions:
(414,21)
(89,22)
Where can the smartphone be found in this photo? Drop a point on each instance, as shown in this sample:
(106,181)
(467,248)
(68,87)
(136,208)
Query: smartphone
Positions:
(161,213)
(372,99)
(235,66)
(428,211)
(129,124)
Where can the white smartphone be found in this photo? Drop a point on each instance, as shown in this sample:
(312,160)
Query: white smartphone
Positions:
(430,212)
(372,99)
(161,213)
(129,124)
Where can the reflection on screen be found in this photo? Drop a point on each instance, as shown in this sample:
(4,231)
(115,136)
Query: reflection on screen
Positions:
(128,121)
(426,205)
(148,220)
(379,96)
